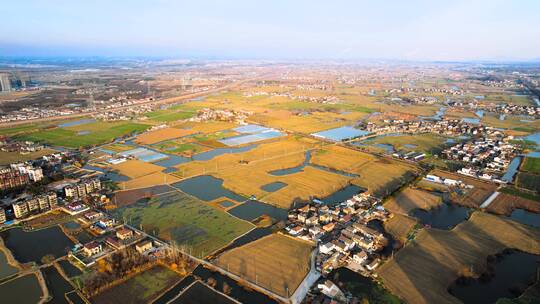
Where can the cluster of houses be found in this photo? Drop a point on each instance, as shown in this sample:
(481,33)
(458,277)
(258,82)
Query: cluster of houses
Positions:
(109,236)
(22,147)
(18,175)
(341,232)
(486,158)
(446,181)
(208,114)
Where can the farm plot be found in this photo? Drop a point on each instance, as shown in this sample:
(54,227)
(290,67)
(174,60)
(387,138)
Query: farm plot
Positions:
(531,164)
(162,135)
(528,181)
(141,288)
(422,271)
(276,262)
(95,134)
(409,199)
(506,203)
(7,158)
(135,168)
(379,175)
(400,226)
(472,197)
(178,217)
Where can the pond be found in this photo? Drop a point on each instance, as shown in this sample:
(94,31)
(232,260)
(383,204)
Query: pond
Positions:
(508,275)
(172,160)
(250,210)
(226,204)
(201,293)
(236,290)
(22,290)
(69,269)
(113,176)
(479,113)
(474,121)
(342,194)
(512,169)
(438,115)
(534,137)
(27,246)
(6,270)
(445,217)
(175,290)
(526,217)
(361,287)
(76,123)
(207,188)
(57,285)
(273,187)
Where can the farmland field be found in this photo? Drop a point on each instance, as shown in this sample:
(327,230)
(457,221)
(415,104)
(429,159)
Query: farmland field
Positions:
(162,135)
(409,198)
(399,226)
(135,168)
(422,271)
(141,288)
(506,203)
(422,142)
(276,262)
(528,181)
(178,217)
(169,115)
(473,197)
(13,157)
(531,164)
(99,133)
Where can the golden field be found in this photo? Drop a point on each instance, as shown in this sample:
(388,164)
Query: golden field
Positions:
(409,199)
(422,271)
(134,168)
(276,262)
(160,135)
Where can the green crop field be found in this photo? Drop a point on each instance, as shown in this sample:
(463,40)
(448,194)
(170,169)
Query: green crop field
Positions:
(532,165)
(170,115)
(142,288)
(98,133)
(178,217)
(528,181)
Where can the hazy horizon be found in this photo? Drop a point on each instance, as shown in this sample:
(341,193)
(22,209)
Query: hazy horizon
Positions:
(353,30)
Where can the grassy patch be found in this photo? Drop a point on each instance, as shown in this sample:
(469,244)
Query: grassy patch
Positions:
(142,288)
(532,165)
(181,218)
(170,115)
(516,192)
(101,132)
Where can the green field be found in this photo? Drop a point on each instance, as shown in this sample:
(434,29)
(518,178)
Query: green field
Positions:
(528,181)
(172,114)
(178,147)
(179,217)
(99,133)
(142,288)
(302,105)
(531,164)
(422,142)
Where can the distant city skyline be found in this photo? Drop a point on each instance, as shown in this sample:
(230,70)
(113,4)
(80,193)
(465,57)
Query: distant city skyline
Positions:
(350,30)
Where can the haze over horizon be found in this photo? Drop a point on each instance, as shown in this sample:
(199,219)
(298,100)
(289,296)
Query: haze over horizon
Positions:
(350,30)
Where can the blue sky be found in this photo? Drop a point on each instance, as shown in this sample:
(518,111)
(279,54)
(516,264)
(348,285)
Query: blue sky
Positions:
(274,29)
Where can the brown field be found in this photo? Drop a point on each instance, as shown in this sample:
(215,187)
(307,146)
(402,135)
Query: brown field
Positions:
(422,271)
(285,120)
(506,203)
(276,262)
(245,173)
(410,198)
(473,197)
(153,179)
(136,168)
(7,158)
(118,147)
(128,197)
(207,127)
(380,176)
(399,226)
(162,135)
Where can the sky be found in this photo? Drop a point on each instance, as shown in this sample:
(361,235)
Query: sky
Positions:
(274,29)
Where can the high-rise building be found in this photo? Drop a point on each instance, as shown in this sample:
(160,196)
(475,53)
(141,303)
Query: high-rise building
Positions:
(5,85)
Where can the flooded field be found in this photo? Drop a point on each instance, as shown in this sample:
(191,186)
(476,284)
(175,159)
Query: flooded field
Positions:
(526,217)
(201,293)
(26,247)
(207,188)
(252,209)
(6,270)
(21,290)
(220,151)
(508,275)
(69,269)
(57,285)
(446,216)
(512,169)
(273,187)
(342,195)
